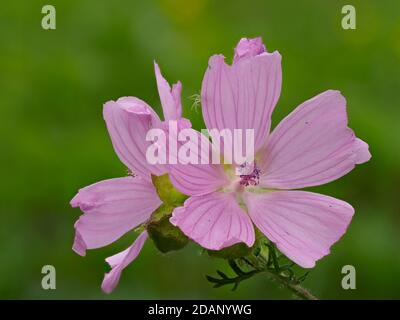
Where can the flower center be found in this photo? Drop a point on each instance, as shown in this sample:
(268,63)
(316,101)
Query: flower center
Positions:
(249,174)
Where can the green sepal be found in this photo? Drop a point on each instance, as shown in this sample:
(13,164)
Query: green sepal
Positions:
(235,251)
(166,191)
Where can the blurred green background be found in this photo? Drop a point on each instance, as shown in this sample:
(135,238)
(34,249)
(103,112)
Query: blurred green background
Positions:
(53,139)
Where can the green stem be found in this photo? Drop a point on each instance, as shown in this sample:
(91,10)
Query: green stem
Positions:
(297,289)
(261,265)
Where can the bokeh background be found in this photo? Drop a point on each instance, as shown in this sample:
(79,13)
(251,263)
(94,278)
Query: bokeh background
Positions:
(53,138)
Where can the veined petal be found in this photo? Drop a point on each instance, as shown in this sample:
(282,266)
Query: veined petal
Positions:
(242,96)
(312,145)
(303,225)
(120,261)
(195,178)
(170,99)
(214,221)
(176,95)
(128,121)
(112,208)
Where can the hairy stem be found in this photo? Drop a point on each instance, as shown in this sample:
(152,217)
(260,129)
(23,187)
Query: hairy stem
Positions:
(297,289)
(272,267)
(261,261)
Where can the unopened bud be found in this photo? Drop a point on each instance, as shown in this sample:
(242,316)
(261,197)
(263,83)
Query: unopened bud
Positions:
(165,236)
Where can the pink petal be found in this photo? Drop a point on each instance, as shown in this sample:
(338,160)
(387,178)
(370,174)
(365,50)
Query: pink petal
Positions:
(242,96)
(170,99)
(303,225)
(361,149)
(214,221)
(176,95)
(248,48)
(112,208)
(312,145)
(197,179)
(128,121)
(119,262)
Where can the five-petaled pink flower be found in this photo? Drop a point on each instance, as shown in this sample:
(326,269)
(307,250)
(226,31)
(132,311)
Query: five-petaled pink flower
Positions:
(115,206)
(311,146)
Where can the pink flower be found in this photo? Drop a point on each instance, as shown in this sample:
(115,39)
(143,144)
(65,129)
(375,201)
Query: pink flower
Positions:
(311,146)
(115,206)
